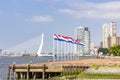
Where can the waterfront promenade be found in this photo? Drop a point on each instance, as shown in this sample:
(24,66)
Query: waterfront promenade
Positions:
(44,70)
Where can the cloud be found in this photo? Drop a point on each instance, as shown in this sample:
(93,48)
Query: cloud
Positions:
(106,10)
(40,19)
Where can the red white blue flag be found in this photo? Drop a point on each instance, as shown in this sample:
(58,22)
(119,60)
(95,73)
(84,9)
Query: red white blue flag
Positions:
(67,39)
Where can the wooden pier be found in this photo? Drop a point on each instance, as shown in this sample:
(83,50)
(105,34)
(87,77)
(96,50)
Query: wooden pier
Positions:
(45,70)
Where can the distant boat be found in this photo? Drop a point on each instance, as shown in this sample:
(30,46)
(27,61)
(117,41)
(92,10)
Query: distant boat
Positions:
(46,55)
(39,53)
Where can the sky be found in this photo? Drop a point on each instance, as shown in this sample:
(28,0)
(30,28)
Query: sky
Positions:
(24,20)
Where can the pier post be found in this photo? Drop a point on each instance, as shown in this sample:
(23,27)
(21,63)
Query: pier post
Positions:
(21,75)
(17,75)
(49,75)
(43,72)
(13,68)
(28,69)
(34,77)
(8,77)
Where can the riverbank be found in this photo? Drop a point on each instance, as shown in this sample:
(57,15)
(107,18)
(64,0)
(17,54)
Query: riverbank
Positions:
(95,72)
(52,69)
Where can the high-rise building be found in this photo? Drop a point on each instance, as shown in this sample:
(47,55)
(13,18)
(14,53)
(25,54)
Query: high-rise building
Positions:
(113,28)
(79,36)
(112,40)
(118,40)
(109,34)
(106,33)
(83,34)
(86,41)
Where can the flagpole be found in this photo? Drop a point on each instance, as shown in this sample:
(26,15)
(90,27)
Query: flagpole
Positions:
(53,51)
(57,51)
(78,54)
(64,52)
(69,52)
(73,56)
(61,51)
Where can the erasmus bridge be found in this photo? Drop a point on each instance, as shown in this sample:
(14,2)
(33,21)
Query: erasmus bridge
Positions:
(30,47)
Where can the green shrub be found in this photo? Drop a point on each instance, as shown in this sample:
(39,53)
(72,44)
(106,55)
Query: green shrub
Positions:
(94,67)
(71,72)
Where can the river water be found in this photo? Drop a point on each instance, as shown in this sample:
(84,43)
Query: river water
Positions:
(6,61)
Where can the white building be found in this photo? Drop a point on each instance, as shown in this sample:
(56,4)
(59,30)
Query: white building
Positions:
(92,49)
(109,30)
(82,34)
(79,36)
(106,33)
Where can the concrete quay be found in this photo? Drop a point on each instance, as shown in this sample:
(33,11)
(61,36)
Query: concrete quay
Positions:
(44,70)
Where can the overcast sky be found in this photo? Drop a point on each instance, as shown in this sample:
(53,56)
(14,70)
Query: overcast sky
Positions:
(23,20)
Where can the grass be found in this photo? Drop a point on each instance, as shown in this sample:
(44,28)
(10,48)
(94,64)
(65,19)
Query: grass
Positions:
(86,76)
(99,76)
(91,76)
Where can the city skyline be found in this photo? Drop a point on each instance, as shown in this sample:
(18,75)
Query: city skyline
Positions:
(23,20)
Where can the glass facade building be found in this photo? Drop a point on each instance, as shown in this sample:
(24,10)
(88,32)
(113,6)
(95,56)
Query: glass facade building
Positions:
(82,34)
(86,40)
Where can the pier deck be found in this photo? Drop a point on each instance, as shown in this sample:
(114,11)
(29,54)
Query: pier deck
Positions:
(44,70)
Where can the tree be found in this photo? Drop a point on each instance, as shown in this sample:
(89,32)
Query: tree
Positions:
(103,50)
(115,50)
